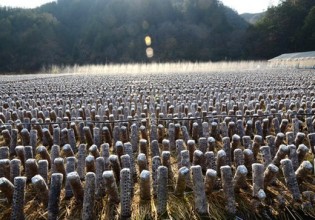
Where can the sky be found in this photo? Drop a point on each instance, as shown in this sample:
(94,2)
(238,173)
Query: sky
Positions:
(250,6)
(241,6)
(23,3)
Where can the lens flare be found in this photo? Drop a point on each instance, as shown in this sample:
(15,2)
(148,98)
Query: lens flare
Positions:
(147,41)
(149,51)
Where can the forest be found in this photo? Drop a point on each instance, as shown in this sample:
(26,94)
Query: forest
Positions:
(69,32)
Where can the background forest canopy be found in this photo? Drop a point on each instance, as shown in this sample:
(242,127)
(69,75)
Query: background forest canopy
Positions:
(69,32)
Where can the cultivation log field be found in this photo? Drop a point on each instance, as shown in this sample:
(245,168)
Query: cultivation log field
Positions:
(203,145)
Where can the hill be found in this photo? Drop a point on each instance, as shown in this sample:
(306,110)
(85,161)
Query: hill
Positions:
(97,31)
(252,18)
(287,28)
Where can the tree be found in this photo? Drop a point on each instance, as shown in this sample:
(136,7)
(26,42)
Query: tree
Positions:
(308,30)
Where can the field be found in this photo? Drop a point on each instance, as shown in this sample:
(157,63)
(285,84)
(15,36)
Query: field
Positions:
(158,141)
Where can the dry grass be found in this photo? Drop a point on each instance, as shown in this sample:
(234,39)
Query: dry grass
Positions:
(162,68)
(181,208)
